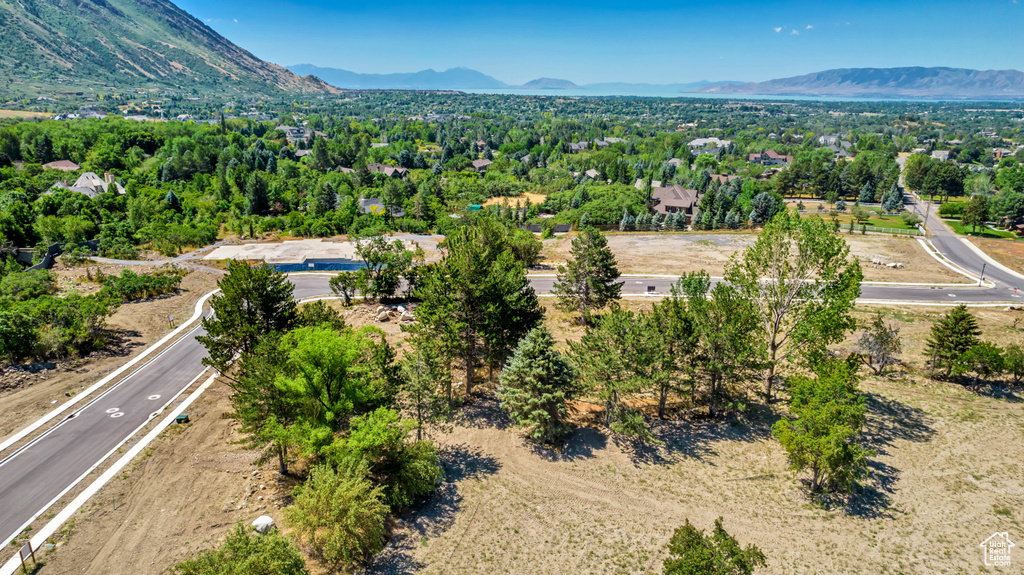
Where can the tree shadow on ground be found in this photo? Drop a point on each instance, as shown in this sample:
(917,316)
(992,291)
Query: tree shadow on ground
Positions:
(121,342)
(695,436)
(888,421)
(483,412)
(436,515)
(581,443)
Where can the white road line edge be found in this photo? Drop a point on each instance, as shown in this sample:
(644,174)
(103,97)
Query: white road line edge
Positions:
(116,373)
(50,528)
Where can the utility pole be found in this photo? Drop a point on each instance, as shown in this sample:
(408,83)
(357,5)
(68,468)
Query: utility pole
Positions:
(982,279)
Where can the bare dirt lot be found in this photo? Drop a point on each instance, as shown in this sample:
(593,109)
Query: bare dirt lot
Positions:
(1007,252)
(947,474)
(133,327)
(678,253)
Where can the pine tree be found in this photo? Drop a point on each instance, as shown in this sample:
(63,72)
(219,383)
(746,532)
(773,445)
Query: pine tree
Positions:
(867,194)
(656,222)
(624,224)
(952,337)
(584,220)
(587,281)
(535,386)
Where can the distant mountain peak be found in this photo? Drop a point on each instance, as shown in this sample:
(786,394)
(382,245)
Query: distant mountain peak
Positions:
(459,78)
(549,84)
(905,82)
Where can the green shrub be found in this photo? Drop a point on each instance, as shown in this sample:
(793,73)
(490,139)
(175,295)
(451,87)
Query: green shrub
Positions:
(952,209)
(340,515)
(130,286)
(245,552)
(28,285)
(18,334)
(376,442)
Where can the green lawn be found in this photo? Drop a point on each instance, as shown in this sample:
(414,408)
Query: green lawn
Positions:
(981,233)
(876,221)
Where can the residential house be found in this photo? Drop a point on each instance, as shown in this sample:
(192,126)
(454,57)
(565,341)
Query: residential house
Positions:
(721,179)
(576,147)
(705,142)
(480,166)
(676,199)
(769,158)
(840,152)
(940,155)
(90,185)
(708,151)
(389,171)
(640,184)
(63,165)
(294,134)
(591,174)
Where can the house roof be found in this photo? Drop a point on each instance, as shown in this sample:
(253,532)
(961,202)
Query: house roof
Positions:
(389,171)
(480,164)
(63,165)
(683,199)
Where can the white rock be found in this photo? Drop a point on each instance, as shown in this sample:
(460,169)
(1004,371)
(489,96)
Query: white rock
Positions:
(383,316)
(401,309)
(263,523)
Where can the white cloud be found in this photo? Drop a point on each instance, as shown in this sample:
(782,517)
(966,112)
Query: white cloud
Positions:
(794,33)
(236,20)
(809,27)
(779,29)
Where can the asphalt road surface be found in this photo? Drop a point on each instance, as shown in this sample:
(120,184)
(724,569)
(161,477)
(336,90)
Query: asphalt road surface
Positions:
(34,476)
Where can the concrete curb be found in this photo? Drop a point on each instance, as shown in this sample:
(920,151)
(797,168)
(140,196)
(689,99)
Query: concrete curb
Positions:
(51,527)
(989,259)
(934,252)
(114,375)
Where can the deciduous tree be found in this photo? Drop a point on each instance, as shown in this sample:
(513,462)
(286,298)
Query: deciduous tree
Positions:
(802,283)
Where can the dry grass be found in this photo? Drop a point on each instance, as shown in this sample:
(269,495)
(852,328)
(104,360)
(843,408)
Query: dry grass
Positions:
(1007,252)
(947,474)
(511,201)
(23,114)
(679,253)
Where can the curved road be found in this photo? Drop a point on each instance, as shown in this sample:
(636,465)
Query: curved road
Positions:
(35,476)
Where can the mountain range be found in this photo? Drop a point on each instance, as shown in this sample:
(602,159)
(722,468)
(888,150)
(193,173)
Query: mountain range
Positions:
(468,79)
(910,82)
(78,44)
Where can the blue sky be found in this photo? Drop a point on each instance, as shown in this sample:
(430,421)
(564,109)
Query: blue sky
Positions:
(590,41)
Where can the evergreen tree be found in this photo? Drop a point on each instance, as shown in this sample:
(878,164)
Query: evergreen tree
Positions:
(951,338)
(535,386)
(172,201)
(656,222)
(893,200)
(587,281)
(254,301)
(584,220)
(691,552)
(257,196)
(324,199)
(867,194)
(476,302)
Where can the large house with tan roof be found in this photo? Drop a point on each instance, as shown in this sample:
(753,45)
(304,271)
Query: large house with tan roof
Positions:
(676,199)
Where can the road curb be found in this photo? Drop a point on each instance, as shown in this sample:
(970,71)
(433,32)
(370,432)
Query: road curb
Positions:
(54,524)
(981,253)
(112,376)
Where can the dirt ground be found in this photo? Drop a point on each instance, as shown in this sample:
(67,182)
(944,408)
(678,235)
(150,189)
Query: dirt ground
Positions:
(535,199)
(32,390)
(673,254)
(947,474)
(1007,252)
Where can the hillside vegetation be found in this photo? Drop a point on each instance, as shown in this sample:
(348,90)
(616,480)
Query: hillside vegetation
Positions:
(74,44)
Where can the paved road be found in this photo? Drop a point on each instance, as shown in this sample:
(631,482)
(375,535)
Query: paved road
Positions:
(38,473)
